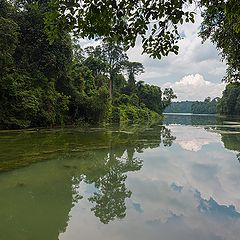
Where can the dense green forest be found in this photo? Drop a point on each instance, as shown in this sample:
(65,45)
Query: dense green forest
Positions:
(120,22)
(47,79)
(207,106)
(43,84)
(229,104)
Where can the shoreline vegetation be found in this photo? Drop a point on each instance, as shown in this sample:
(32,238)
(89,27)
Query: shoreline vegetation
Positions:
(208,106)
(227,105)
(86,126)
(43,85)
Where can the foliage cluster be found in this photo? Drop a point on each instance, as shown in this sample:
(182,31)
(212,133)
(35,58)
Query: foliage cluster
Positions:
(229,104)
(156,23)
(221,24)
(44,84)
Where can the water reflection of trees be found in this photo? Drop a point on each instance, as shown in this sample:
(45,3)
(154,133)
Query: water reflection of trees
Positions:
(102,158)
(230,137)
(229,133)
(109,178)
(231,141)
(109,198)
(238,157)
(192,119)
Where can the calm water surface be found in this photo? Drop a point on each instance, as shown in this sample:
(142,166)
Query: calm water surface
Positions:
(179,180)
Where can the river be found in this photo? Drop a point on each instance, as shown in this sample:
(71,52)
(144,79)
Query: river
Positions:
(176,180)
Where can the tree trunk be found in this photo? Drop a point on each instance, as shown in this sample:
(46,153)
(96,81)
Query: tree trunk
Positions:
(110,88)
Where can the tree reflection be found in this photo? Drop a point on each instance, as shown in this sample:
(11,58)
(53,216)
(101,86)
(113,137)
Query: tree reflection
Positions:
(193,120)
(109,199)
(167,137)
(238,157)
(231,141)
(102,158)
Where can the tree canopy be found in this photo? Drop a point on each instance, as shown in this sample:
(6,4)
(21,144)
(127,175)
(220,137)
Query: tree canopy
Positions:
(221,24)
(229,104)
(155,22)
(44,84)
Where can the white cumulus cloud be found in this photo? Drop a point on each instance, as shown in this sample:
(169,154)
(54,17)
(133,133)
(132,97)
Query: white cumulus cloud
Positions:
(195,87)
(194,57)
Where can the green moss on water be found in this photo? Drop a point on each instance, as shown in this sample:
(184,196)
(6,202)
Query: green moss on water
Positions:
(23,148)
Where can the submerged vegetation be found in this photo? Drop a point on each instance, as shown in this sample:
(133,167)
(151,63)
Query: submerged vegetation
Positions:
(25,147)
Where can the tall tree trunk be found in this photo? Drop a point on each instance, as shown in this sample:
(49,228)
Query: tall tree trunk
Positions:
(110,87)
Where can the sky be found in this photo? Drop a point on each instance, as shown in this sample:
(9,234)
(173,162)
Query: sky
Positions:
(194,74)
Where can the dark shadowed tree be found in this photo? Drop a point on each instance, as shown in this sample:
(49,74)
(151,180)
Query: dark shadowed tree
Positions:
(133,69)
(115,56)
(221,25)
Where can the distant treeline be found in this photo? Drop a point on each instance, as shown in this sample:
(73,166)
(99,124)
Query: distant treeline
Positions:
(207,106)
(229,104)
(179,107)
